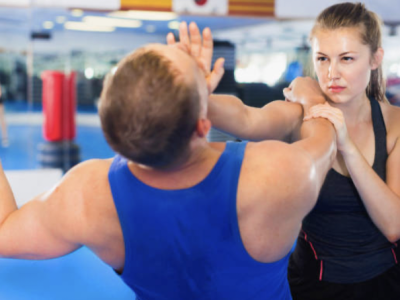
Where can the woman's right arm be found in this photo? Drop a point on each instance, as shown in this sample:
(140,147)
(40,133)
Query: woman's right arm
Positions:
(277,120)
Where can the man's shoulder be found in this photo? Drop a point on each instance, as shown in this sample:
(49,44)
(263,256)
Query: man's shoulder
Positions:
(278,158)
(88,175)
(270,148)
(87,167)
(86,188)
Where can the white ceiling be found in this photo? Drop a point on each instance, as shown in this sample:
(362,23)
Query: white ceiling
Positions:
(258,34)
(388,10)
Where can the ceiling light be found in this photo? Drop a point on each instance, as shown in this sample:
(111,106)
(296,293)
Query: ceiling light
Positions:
(80,26)
(112,22)
(174,25)
(89,73)
(61,19)
(144,15)
(77,13)
(48,25)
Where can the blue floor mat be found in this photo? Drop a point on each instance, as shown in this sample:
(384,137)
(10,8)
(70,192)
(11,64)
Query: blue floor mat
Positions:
(24,140)
(79,275)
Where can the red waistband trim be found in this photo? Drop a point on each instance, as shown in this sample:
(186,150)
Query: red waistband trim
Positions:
(321,268)
(394,256)
(311,245)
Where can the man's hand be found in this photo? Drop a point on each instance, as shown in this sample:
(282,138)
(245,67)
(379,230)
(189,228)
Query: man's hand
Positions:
(201,49)
(306,91)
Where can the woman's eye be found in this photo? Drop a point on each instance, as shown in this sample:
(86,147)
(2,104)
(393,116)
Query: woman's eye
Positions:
(347,58)
(321,58)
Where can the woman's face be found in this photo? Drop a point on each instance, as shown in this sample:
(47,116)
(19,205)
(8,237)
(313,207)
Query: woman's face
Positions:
(342,63)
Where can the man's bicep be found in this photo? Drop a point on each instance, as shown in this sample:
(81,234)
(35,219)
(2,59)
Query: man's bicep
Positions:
(38,230)
(288,190)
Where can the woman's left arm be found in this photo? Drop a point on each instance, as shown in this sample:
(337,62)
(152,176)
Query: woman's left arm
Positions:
(382,200)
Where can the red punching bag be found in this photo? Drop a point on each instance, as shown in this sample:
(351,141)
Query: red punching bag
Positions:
(58,95)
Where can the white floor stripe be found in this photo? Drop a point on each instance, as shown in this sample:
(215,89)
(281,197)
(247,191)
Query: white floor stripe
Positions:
(27,184)
(35,118)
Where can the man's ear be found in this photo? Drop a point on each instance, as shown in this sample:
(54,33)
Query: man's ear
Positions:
(203,127)
(378,58)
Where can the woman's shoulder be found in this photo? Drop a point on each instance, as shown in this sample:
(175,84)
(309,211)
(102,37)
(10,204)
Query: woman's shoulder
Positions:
(391,114)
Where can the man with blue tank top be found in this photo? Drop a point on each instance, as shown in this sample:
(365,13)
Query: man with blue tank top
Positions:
(178,217)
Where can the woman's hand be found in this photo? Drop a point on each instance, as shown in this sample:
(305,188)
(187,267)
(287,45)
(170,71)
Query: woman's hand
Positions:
(201,49)
(336,117)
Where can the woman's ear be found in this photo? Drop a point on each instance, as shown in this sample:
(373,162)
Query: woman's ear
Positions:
(378,58)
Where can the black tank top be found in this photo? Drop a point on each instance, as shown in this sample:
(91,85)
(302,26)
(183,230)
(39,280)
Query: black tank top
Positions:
(339,231)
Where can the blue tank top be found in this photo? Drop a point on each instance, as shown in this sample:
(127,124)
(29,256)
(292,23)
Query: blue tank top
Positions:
(339,230)
(185,244)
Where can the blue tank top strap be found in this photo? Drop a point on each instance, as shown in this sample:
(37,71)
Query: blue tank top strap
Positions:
(236,149)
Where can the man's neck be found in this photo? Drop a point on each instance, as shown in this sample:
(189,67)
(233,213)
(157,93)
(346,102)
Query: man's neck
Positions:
(183,174)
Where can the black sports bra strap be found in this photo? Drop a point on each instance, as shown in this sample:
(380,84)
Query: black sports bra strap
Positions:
(380,139)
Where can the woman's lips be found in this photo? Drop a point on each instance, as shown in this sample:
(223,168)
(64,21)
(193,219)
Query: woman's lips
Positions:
(336,89)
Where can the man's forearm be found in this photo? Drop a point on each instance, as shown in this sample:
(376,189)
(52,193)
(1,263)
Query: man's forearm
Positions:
(277,120)
(229,114)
